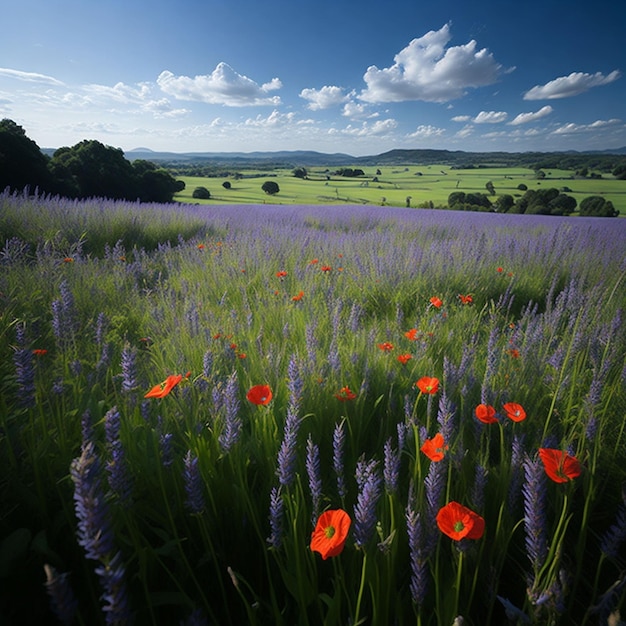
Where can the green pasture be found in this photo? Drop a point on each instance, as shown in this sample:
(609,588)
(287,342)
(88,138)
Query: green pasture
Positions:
(423,184)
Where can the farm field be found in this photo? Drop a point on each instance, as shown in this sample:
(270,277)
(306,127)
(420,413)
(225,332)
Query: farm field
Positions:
(310,414)
(422,183)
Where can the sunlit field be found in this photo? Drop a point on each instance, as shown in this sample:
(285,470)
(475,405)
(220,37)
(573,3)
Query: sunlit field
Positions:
(420,184)
(280,415)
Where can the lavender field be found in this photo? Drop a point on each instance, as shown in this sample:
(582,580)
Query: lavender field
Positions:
(310,415)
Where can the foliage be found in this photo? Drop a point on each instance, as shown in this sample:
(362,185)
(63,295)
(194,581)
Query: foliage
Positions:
(202,193)
(597,206)
(545,202)
(226,184)
(461,201)
(329,364)
(270,187)
(300,172)
(349,172)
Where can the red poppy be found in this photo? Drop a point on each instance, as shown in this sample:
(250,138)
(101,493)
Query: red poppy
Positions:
(68,259)
(40,352)
(459,522)
(404,358)
(326,268)
(281,274)
(345,393)
(436,302)
(314,262)
(499,270)
(241,355)
(560,466)
(331,532)
(514,352)
(466,299)
(260,394)
(386,346)
(514,411)
(428,384)
(486,414)
(298,297)
(435,448)
(411,334)
(200,246)
(163,389)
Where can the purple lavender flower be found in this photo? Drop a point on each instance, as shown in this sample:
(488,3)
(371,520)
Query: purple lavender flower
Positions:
(490,367)
(101,327)
(391,467)
(535,503)
(232,422)
(445,417)
(167,456)
(86,427)
(94,530)
(339,438)
(417,556)
(287,454)
(129,369)
(276,518)
(478,491)
(24,370)
(119,475)
(64,317)
(193,485)
(517,458)
(435,482)
(315,477)
(111,574)
(370,489)
(62,599)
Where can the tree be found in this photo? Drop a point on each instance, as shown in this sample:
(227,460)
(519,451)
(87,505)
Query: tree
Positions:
(299,172)
(22,163)
(504,203)
(155,184)
(270,187)
(490,188)
(597,206)
(620,171)
(201,193)
(226,184)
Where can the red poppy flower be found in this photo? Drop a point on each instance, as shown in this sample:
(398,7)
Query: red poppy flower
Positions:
(260,394)
(459,522)
(560,466)
(298,297)
(404,358)
(200,246)
(435,448)
(314,262)
(331,532)
(40,352)
(436,302)
(386,346)
(68,259)
(514,411)
(281,274)
(499,270)
(514,352)
(486,414)
(428,384)
(466,299)
(411,334)
(326,268)
(163,389)
(345,393)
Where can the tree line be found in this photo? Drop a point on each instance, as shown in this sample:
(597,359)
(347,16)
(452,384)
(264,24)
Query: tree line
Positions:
(87,169)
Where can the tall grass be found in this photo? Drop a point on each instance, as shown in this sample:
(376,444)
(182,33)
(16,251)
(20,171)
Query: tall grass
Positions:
(198,507)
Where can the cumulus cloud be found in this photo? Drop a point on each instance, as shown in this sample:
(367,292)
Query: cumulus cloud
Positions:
(324,98)
(461,118)
(379,127)
(525,118)
(426,132)
(223,86)
(427,70)
(30,77)
(572,85)
(490,117)
(568,129)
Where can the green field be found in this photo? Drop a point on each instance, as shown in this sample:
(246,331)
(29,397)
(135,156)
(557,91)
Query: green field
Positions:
(430,183)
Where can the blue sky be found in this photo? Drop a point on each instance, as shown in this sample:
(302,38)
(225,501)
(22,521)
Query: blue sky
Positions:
(359,77)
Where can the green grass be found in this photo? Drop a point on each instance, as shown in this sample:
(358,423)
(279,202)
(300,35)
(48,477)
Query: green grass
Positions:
(431,183)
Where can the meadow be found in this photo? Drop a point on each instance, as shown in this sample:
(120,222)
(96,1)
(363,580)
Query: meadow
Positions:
(310,415)
(422,184)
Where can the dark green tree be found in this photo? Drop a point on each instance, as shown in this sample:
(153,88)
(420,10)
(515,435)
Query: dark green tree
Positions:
(490,188)
(597,206)
(201,193)
(226,184)
(299,172)
(22,164)
(504,203)
(155,184)
(270,187)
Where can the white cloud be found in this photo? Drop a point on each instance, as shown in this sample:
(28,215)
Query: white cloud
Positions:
(525,118)
(466,131)
(427,70)
(490,117)
(30,77)
(461,118)
(275,118)
(572,85)
(223,86)
(571,128)
(379,127)
(324,98)
(426,132)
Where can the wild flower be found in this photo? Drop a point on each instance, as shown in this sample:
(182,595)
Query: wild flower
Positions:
(277,506)
(281,274)
(194,501)
(411,335)
(391,467)
(404,358)
(260,395)
(163,389)
(468,299)
(129,368)
(458,522)
(24,370)
(331,532)
(428,385)
(287,454)
(165,443)
(232,421)
(369,483)
(386,346)
(514,411)
(417,556)
(535,495)
(298,296)
(486,414)
(63,602)
(435,448)
(345,394)
(560,466)
(339,438)
(436,302)
(314,475)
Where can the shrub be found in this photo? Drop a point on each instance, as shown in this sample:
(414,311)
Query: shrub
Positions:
(201,193)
